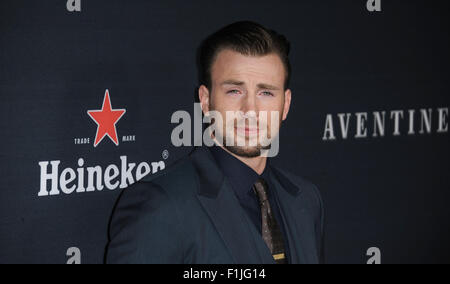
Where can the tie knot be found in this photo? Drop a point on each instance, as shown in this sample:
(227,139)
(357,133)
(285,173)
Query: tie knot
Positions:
(260,187)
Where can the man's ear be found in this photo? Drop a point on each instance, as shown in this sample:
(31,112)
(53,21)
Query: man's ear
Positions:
(203,95)
(287,103)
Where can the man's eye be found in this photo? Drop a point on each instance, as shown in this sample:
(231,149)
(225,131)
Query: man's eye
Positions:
(233,92)
(267,94)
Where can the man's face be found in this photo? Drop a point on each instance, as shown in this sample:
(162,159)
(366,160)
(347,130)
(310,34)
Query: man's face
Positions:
(247,84)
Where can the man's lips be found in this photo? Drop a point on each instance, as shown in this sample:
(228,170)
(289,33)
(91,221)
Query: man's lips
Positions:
(247,130)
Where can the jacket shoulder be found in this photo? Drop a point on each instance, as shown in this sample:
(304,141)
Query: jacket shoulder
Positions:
(148,218)
(178,179)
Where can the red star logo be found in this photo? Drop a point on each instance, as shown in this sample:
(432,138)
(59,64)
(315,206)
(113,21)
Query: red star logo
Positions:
(106,120)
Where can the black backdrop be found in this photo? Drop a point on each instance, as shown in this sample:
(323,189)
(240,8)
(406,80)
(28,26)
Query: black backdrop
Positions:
(388,192)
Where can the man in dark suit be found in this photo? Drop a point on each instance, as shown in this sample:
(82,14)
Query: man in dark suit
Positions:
(226,203)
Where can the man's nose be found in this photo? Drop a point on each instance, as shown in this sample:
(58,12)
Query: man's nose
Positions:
(249,111)
(249,105)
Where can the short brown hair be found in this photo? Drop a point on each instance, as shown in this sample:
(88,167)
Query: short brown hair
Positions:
(247,38)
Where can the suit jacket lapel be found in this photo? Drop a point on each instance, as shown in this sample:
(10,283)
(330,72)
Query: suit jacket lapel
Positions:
(216,196)
(296,219)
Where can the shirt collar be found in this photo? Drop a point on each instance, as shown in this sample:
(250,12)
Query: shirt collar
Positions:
(241,176)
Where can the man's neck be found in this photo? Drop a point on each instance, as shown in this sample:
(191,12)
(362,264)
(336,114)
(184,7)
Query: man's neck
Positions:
(258,164)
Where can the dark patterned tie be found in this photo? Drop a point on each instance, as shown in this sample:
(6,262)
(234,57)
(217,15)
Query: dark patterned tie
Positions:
(270,230)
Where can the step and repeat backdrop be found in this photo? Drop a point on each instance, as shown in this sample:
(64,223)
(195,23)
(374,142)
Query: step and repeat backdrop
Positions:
(88,90)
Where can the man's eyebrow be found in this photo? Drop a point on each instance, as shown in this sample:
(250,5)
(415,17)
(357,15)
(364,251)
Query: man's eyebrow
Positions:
(267,86)
(241,83)
(233,82)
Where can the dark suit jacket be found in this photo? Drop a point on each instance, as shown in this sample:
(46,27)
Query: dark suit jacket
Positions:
(188,213)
